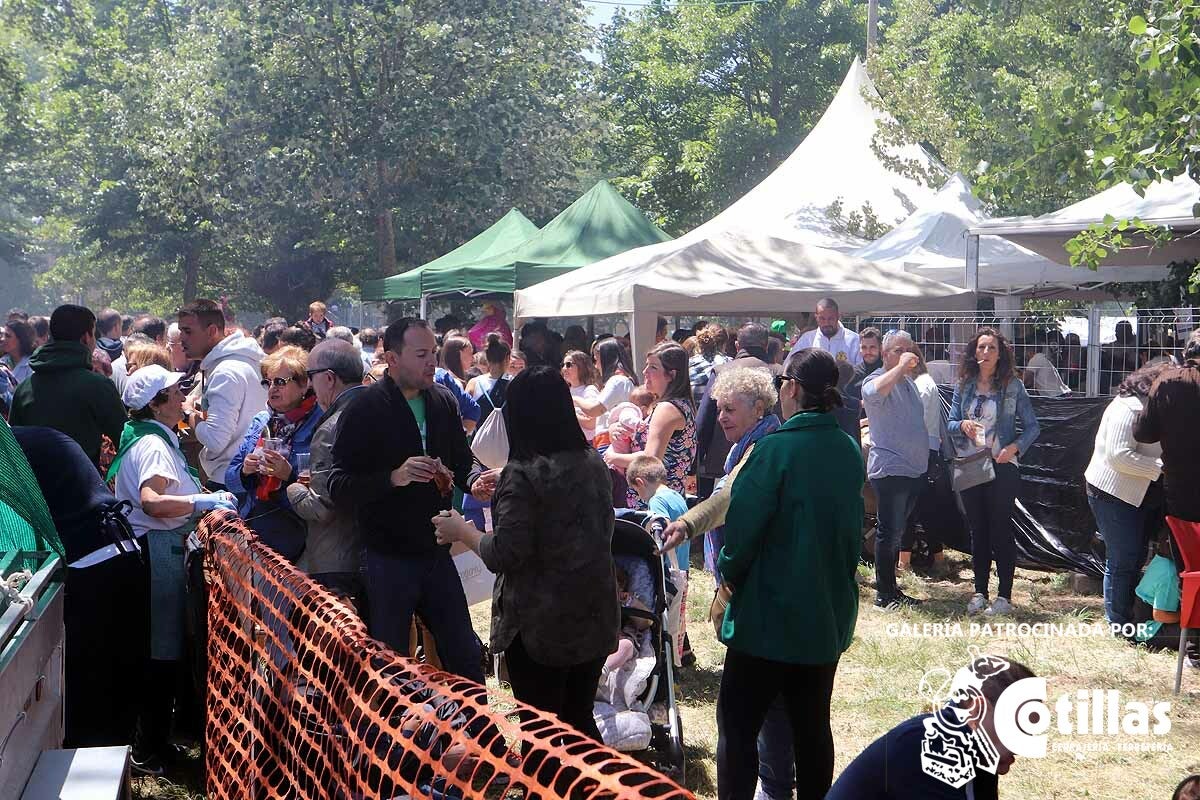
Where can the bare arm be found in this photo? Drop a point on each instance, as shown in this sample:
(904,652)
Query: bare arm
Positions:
(884,384)
(664,421)
(157,504)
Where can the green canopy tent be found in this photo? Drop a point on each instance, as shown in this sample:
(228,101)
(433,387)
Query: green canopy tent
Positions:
(599,224)
(504,234)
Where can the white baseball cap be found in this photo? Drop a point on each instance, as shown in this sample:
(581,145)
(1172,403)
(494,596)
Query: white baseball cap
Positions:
(143,385)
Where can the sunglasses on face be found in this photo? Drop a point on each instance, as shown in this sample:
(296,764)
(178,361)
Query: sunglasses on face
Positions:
(780,380)
(278,383)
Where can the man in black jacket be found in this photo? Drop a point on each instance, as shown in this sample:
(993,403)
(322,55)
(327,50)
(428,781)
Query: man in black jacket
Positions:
(396,441)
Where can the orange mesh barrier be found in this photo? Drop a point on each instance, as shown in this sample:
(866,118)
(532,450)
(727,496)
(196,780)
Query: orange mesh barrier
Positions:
(303,703)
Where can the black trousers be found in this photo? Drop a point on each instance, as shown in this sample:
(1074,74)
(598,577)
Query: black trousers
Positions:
(566,692)
(989,510)
(748,687)
(106,616)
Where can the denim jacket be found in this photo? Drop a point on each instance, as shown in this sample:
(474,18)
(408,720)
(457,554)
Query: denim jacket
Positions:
(1016,404)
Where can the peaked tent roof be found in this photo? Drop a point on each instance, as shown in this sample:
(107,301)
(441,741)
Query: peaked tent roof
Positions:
(775,249)
(834,163)
(1168,203)
(599,224)
(504,234)
(932,243)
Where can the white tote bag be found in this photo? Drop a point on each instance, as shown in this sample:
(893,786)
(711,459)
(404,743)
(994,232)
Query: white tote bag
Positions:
(490,444)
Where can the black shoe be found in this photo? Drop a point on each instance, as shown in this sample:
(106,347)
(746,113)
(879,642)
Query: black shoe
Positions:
(898,600)
(150,766)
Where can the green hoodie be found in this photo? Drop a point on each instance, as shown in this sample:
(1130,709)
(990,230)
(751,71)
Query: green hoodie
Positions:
(63,393)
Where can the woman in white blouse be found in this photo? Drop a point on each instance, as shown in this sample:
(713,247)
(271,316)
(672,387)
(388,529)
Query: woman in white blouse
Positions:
(1118,477)
(150,472)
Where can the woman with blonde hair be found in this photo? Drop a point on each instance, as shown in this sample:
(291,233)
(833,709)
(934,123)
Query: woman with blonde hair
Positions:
(143,354)
(267,461)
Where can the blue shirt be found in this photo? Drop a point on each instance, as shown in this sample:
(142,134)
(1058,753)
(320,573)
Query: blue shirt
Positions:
(899,442)
(467,406)
(669,503)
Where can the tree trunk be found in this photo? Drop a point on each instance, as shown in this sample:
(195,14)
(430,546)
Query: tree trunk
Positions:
(385,242)
(872,24)
(191,273)
(385,231)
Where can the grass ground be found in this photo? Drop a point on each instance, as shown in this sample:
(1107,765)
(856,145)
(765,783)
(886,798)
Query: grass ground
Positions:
(878,680)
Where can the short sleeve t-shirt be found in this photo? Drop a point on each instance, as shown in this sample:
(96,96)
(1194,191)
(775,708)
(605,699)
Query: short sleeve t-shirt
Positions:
(151,457)
(899,442)
(671,504)
(616,390)
(587,392)
(417,404)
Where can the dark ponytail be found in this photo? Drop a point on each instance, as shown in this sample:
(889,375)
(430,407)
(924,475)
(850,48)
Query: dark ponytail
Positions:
(817,373)
(497,349)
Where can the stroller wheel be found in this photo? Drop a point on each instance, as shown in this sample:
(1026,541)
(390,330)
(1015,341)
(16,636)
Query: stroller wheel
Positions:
(675,751)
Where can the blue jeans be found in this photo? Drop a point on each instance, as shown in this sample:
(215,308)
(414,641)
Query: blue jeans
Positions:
(776,758)
(896,497)
(1122,527)
(427,584)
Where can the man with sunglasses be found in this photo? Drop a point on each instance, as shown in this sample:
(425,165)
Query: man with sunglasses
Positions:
(230,393)
(332,549)
(898,459)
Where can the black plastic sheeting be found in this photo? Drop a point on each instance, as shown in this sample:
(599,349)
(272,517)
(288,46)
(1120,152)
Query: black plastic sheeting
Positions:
(1054,527)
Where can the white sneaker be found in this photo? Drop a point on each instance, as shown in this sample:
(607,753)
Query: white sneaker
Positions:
(978,603)
(999,606)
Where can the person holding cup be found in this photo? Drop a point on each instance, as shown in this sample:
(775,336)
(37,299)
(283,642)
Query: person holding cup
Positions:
(989,400)
(265,463)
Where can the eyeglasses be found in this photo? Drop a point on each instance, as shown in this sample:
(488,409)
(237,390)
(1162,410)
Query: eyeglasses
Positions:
(567,364)
(278,383)
(309,373)
(780,380)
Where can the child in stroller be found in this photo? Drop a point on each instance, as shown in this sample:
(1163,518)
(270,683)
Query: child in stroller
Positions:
(635,705)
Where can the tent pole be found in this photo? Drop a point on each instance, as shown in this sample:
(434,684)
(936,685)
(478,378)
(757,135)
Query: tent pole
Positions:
(424,307)
(642,326)
(971,275)
(1093,351)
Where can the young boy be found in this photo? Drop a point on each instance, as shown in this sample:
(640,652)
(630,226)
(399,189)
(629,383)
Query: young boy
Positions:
(318,323)
(647,476)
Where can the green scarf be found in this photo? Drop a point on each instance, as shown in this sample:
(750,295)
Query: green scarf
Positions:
(134,430)
(19,491)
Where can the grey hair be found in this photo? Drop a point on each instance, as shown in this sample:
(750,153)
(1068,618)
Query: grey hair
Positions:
(338,355)
(752,383)
(892,336)
(341,332)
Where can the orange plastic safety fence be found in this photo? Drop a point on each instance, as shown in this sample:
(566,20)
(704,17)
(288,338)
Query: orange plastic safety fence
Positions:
(303,703)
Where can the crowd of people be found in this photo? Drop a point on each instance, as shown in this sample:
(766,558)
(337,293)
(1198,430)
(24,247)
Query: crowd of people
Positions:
(350,453)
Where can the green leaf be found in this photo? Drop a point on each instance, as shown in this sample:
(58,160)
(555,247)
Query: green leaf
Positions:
(1137,25)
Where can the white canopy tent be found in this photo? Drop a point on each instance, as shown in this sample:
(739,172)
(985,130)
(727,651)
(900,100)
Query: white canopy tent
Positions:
(775,250)
(732,273)
(1166,203)
(835,163)
(932,243)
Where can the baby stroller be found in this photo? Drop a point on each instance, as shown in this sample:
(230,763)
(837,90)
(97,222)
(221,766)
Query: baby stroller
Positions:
(637,710)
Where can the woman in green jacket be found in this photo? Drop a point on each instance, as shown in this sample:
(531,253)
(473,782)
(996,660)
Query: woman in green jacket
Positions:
(792,540)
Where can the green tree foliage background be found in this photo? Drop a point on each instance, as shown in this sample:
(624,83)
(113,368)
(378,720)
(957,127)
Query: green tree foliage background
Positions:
(275,151)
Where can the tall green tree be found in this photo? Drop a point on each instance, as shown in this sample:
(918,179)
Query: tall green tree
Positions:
(994,88)
(419,121)
(703,101)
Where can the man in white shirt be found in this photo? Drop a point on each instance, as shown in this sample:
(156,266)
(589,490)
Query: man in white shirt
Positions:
(831,336)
